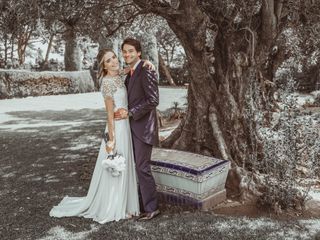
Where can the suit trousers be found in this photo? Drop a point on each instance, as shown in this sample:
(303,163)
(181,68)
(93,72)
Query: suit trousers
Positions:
(147,186)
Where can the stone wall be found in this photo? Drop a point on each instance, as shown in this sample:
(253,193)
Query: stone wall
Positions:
(21,83)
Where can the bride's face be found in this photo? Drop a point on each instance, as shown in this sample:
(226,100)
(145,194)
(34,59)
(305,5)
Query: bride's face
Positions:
(110,62)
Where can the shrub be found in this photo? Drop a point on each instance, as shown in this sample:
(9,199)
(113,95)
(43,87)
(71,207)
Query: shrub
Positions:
(291,145)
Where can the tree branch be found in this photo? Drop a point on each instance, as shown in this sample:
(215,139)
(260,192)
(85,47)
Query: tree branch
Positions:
(252,43)
(278,9)
(269,21)
(217,133)
(157,7)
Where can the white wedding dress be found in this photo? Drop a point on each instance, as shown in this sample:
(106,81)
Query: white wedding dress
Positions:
(109,198)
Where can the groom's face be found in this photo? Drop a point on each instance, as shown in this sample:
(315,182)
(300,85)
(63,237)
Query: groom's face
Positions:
(130,54)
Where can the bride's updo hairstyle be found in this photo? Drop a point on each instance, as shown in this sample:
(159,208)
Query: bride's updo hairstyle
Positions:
(101,71)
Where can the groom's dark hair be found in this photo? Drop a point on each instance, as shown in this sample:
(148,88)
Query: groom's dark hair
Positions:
(132,42)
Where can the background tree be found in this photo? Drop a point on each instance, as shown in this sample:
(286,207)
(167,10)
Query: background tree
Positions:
(17,23)
(71,14)
(53,29)
(171,55)
(76,17)
(169,46)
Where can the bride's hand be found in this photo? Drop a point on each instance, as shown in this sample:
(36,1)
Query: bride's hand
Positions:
(149,64)
(110,147)
(121,113)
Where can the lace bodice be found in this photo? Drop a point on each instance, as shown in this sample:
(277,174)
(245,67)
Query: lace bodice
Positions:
(109,85)
(114,88)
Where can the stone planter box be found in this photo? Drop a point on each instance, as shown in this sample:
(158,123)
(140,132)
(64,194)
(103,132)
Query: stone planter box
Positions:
(189,179)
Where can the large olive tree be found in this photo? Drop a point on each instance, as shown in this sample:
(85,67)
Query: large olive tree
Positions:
(231,47)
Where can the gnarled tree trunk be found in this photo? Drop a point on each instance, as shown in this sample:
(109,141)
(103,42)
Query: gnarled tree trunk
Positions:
(72,51)
(222,62)
(214,124)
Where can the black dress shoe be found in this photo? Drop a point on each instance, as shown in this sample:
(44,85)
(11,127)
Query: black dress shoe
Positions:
(149,215)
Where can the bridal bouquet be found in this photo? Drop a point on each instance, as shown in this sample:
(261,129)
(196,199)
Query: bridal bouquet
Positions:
(114,163)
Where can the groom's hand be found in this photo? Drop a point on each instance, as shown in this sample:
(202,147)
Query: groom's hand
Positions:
(121,113)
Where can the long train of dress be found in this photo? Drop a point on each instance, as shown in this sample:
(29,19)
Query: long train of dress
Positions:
(109,198)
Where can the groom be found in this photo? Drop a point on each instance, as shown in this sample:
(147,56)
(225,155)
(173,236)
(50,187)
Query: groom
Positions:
(143,98)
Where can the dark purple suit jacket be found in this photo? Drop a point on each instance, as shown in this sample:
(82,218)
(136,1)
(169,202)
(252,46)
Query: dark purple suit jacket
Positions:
(143,98)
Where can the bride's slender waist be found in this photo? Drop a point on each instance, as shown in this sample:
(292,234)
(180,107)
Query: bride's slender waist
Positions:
(120,120)
(117,108)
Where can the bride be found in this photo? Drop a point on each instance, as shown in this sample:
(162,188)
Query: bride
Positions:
(110,197)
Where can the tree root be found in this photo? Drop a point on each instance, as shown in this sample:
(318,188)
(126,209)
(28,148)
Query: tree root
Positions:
(243,185)
(174,136)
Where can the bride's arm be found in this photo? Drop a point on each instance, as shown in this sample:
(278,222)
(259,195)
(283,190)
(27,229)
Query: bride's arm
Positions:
(107,90)
(109,104)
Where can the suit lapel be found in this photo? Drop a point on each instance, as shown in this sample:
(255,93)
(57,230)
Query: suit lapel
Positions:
(134,76)
(126,81)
